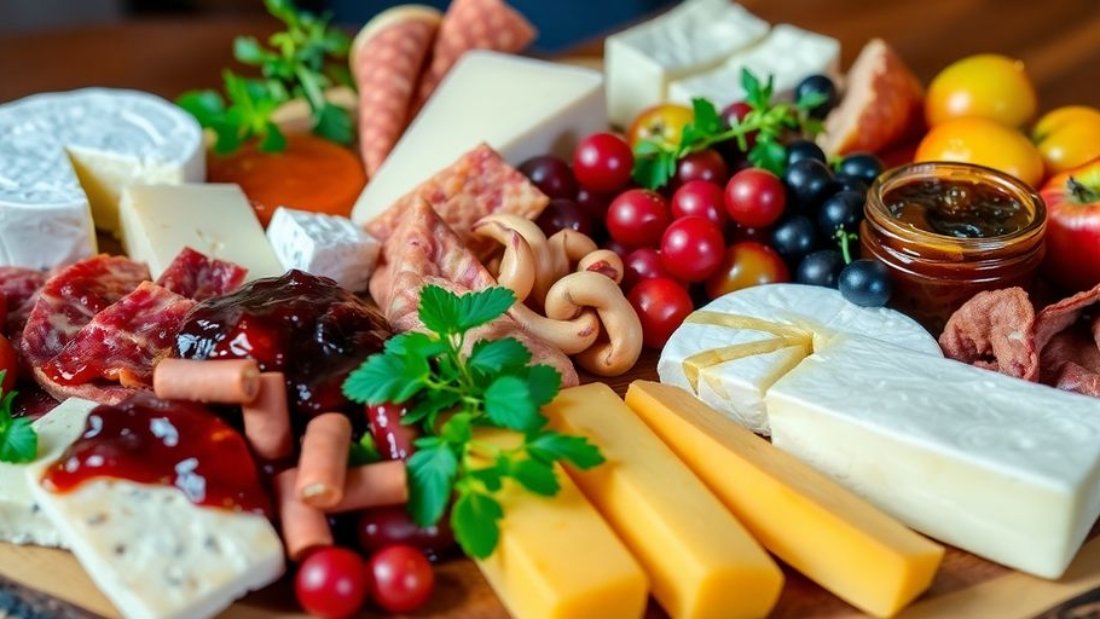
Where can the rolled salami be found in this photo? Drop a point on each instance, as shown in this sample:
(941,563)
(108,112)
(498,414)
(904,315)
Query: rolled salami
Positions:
(473,24)
(387,58)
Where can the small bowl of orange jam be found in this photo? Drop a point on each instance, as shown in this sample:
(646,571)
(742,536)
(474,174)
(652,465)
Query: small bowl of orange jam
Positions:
(947,231)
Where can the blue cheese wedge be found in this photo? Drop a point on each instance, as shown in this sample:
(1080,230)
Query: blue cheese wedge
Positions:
(21,518)
(323,245)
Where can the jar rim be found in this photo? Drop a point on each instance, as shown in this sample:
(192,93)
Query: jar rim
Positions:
(877,212)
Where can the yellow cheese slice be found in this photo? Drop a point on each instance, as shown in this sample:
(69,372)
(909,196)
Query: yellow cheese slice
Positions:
(557,558)
(702,563)
(833,537)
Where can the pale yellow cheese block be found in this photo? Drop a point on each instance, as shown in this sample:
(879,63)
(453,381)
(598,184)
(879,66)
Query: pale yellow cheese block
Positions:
(557,558)
(833,537)
(701,561)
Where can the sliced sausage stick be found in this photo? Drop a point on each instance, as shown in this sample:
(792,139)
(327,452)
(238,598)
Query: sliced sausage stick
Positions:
(323,465)
(225,381)
(372,485)
(267,419)
(304,528)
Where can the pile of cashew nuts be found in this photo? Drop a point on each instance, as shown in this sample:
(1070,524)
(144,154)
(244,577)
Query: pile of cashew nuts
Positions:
(567,292)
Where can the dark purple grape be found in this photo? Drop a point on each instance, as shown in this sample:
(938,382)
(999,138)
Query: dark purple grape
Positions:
(821,268)
(842,210)
(593,203)
(863,166)
(808,183)
(379,527)
(818,84)
(798,150)
(865,283)
(794,238)
(551,175)
(850,183)
(561,214)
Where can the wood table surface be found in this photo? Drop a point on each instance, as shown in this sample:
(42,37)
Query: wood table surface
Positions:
(1058,39)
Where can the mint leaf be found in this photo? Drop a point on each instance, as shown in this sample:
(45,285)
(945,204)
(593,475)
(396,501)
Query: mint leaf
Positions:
(383,378)
(247,50)
(536,476)
(207,106)
(364,451)
(543,383)
(483,306)
(490,356)
(18,440)
(474,521)
(811,99)
(413,343)
(429,407)
(508,405)
(456,430)
(654,172)
(705,116)
(432,469)
(769,154)
(439,310)
(490,477)
(549,446)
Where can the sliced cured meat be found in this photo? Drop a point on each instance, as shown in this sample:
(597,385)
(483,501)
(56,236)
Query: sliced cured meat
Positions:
(424,250)
(197,277)
(995,330)
(1057,317)
(1071,361)
(480,183)
(19,288)
(71,299)
(473,24)
(123,342)
(386,58)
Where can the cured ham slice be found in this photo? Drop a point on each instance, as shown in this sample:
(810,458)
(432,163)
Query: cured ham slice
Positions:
(386,58)
(473,24)
(195,276)
(480,183)
(424,250)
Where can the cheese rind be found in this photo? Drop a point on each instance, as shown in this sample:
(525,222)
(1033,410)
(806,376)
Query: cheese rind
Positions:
(557,558)
(695,36)
(829,534)
(1003,468)
(521,107)
(702,563)
(215,219)
(65,157)
(21,519)
(323,245)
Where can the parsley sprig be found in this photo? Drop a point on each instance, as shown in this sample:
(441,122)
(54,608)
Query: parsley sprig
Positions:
(451,394)
(655,161)
(303,61)
(18,440)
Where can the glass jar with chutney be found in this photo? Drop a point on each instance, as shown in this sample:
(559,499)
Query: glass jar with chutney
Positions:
(947,231)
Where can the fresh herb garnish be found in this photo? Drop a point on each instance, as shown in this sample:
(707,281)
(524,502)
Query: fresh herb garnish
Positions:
(304,60)
(18,440)
(655,162)
(364,451)
(452,394)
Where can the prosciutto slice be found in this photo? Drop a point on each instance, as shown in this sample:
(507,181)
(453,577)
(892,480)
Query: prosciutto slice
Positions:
(198,277)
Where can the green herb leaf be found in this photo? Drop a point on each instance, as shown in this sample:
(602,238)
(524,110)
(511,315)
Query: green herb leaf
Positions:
(207,106)
(439,310)
(273,139)
(508,404)
(490,356)
(475,521)
(364,451)
(430,406)
(432,469)
(247,50)
(705,116)
(383,378)
(334,124)
(457,430)
(549,446)
(769,154)
(491,477)
(543,383)
(811,100)
(536,476)
(18,440)
(483,306)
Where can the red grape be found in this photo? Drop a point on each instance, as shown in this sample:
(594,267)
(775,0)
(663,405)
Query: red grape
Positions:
(700,197)
(692,248)
(603,162)
(662,304)
(393,440)
(755,198)
(638,218)
(561,214)
(593,203)
(705,165)
(379,527)
(332,583)
(642,263)
(401,579)
(551,175)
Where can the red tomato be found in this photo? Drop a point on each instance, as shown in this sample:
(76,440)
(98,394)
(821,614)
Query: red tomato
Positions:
(662,304)
(1073,227)
(747,264)
(602,162)
(691,248)
(755,198)
(705,165)
(9,363)
(642,263)
(401,579)
(700,197)
(332,583)
(638,218)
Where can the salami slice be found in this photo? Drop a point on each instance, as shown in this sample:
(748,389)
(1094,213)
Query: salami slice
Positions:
(71,299)
(197,277)
(473,24)
(480,183)
(995,330)
(386,58)
(19,288)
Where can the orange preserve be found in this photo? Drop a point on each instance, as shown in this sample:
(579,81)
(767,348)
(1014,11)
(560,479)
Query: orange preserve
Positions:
(947,231)
(311,174)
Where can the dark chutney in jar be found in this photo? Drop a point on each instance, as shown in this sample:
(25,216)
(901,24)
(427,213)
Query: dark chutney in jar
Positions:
(962,209)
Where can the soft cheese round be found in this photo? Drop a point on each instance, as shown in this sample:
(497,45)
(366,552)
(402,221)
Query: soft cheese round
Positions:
(65,155)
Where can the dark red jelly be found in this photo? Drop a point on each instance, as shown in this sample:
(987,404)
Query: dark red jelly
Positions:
(151,441)
(302,325)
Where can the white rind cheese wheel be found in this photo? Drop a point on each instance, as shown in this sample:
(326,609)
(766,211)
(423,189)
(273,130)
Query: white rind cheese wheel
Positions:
(65,157)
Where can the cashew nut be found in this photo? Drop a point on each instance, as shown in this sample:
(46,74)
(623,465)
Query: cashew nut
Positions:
(576,291)
(604,262)
(571,335)
(497,225)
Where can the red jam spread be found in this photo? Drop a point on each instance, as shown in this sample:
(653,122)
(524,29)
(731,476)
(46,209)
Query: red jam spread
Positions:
(302,325)
(958,208)
(172,443)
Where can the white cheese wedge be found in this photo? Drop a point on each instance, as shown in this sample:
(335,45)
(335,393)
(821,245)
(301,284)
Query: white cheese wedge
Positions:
(65,157)
(323,245)
(21,519)
(788,54)
(1002,468)
(795,319)
(696,36)
(522,107)
(216,219)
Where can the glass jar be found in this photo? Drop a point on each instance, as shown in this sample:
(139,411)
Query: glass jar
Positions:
(933,274)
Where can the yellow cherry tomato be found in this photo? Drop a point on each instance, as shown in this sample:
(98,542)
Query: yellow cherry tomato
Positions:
(983,86)
(984,142)
(661,123)
(1068,137)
